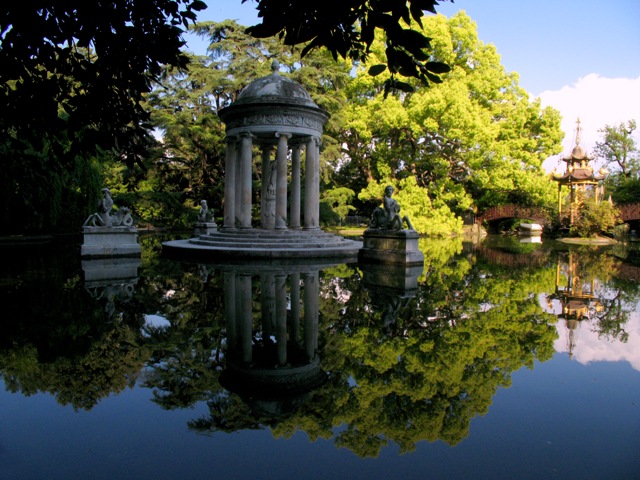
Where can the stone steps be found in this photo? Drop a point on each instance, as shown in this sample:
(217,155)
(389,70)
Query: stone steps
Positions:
(260,243)
(267,239)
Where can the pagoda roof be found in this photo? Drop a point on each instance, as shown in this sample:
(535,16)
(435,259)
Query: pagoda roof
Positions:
(580,175)
(577,155)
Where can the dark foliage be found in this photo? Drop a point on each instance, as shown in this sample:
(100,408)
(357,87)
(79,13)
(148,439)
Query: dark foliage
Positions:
(72,76)
(346,28)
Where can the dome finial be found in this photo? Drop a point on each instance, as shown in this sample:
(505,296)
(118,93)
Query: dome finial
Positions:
(275,66)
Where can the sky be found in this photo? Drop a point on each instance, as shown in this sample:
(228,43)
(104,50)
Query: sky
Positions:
(581,57)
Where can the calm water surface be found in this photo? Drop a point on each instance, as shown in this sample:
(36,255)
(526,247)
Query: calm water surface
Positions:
(498,360)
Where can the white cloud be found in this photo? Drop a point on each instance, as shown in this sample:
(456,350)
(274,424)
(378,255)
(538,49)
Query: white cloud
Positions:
(589,347)
(597,101)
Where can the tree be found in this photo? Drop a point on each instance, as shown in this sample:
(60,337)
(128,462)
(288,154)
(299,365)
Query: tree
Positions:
(184,106)
(348,29)
(72,77)
(473,141)
(620,151)
(618,148)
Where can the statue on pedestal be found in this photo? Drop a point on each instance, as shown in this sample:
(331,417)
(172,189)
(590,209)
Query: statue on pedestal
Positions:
(107,235)
(103,217)
(388,217)
(205,224)
(204,216)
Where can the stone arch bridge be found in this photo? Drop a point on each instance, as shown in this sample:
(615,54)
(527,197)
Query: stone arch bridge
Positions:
(630,212)
(502,212)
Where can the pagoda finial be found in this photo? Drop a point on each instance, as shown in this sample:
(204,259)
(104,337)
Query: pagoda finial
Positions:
(578,130)
(275,66)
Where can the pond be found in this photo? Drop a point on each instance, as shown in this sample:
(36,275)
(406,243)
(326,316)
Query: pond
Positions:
(497,360)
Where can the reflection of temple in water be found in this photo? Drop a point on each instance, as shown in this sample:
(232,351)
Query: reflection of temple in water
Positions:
(577,297)
(272,351)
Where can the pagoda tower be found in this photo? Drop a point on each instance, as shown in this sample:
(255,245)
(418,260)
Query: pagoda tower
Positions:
(580,177)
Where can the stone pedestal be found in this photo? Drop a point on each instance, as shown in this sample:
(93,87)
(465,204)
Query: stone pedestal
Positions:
(103,242)
(205,228)
(392,247)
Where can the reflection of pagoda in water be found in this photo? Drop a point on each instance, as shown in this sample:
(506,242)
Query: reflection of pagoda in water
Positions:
(580,177)
(577,298)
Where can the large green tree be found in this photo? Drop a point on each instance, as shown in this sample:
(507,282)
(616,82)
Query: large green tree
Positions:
(72,77)
(473,141)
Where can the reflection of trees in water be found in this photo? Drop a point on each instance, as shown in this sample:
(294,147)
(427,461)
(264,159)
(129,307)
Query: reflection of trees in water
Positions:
(422,376)
(399,369)
(462,335)
(59,339)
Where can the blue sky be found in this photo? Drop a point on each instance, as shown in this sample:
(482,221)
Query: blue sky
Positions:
(579,56)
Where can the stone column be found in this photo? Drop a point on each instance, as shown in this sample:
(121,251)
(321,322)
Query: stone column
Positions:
(281,318)
(294,206)
(311,292)
(244,181)
(230,158)
(238,185)
(312,185)
(267,197)
(281,180)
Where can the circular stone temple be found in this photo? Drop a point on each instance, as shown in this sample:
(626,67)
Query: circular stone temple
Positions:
(271,115)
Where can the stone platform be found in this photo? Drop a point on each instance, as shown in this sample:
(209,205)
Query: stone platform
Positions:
(107,242)
(395,247)
(257,243)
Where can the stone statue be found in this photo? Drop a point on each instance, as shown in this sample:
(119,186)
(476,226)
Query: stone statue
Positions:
(388,217)
(122,218)
(103,217)
(204,216)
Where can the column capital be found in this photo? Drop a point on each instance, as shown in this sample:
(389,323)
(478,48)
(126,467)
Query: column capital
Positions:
(283,134)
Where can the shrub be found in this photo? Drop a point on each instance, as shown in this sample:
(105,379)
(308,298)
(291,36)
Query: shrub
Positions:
(594,218)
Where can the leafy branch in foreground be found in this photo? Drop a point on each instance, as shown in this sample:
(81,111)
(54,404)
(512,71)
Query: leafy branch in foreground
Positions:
(348,29)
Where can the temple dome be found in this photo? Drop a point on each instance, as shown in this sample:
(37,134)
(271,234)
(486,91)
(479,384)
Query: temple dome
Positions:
(274,87)
(274,104)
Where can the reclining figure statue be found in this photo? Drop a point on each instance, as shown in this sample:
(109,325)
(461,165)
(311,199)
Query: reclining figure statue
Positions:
(103,217)
(388,218)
